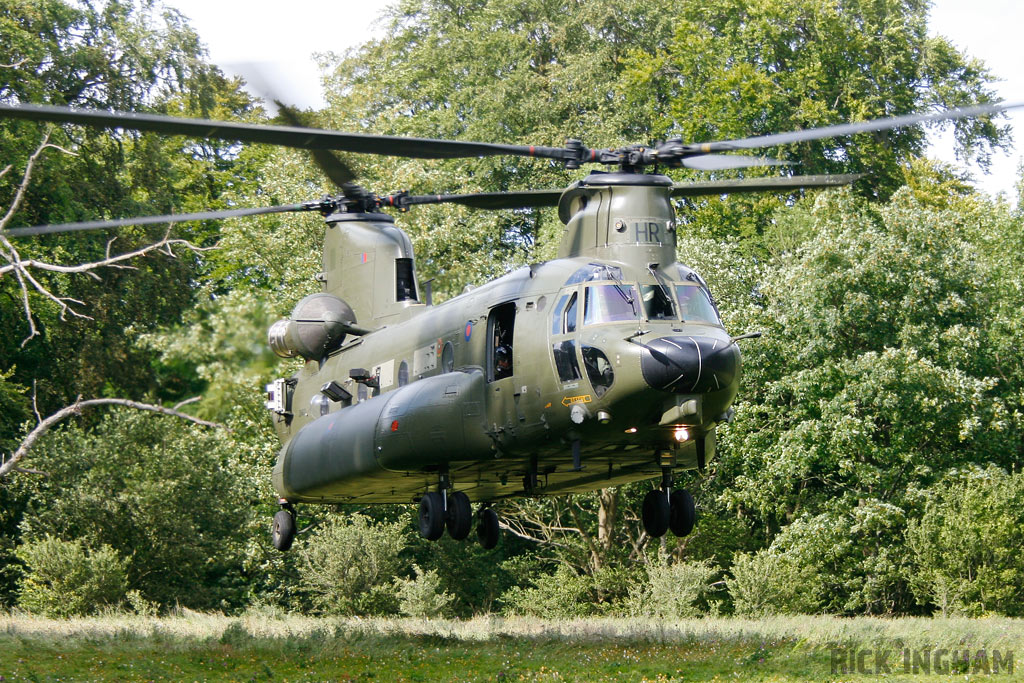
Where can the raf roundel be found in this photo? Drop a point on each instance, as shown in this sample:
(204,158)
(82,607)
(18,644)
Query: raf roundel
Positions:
(469,330)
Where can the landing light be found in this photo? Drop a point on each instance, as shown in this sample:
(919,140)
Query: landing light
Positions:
(631,430)
(681,434)
(604,417)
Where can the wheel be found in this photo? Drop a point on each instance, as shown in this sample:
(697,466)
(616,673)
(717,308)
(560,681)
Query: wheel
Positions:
(683,513)
(460,516)
(655,514)
(432,516)
(487,530)
(282,532)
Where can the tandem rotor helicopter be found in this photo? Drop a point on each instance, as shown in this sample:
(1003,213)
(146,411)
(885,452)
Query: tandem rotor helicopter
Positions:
(607,365)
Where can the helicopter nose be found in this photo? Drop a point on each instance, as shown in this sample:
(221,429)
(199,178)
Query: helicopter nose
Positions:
(685,365)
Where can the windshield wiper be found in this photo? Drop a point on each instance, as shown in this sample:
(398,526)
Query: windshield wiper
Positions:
(629,299)
(652,267)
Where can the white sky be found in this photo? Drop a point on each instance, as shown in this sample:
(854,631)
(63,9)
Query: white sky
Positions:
(281,44)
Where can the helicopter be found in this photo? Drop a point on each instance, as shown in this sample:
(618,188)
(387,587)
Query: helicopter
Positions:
(606,365)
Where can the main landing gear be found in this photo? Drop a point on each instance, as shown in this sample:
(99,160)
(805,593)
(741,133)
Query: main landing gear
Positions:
(440,510)
(666,509)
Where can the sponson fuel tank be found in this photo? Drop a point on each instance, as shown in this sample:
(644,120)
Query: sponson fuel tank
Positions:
(420,426)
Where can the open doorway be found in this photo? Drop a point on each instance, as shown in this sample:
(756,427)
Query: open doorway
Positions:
(500,331)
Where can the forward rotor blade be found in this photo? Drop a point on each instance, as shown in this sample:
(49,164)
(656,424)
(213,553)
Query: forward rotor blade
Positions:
(285,136)
(721,162)
(149,220)
(490,200)
(853,128)
(336,170)
(762,184)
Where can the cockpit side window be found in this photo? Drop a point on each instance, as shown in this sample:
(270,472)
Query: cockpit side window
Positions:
(695,305)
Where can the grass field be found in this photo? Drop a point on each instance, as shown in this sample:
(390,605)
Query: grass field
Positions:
(272,647)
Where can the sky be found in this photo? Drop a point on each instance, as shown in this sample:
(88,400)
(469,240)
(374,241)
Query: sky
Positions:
(257,40)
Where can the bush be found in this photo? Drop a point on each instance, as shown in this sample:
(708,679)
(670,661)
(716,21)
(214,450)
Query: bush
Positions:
(966,547)
(349,564)
(768,582)
(672,591)
(563,594)
(65,579)
(423,595)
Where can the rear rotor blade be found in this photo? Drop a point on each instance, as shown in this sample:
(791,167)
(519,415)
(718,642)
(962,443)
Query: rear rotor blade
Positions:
(285,136)
(852,128)
(762,184)
(149,220)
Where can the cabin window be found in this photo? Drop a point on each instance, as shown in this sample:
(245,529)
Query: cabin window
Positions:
(405,283)
(448,357)
(610,303)
(403,374)
(657,303)
(500,334)
(695,305)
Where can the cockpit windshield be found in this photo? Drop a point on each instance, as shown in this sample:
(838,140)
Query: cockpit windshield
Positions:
(610,303)
(695,306)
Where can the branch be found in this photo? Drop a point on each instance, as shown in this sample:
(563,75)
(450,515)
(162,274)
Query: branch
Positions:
(76,409)
(21,267)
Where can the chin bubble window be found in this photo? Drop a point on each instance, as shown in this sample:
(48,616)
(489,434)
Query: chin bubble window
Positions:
(599,369)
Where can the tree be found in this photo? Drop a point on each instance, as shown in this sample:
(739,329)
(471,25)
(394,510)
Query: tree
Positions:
(737,69)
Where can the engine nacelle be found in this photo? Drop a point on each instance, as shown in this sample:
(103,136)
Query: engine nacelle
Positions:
(317,326)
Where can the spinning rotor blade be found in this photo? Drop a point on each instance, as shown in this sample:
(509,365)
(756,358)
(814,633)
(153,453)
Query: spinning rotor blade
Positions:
(149,220)
(762,184)
(285,136)
(851,128)
(336,170)
(483,200)
(721,162)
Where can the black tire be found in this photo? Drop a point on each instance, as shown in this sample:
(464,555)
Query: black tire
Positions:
(460,515)
(655,514)
(432,516)
(282,531)
(683,515)
(487,530)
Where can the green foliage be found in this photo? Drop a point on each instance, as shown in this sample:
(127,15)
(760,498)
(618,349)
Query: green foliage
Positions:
(673,590)
(562,594)
(736,69)
(66,579)
(170,497)
(422,596)
(347,566)
(966,546)
(768,582)
(529,72)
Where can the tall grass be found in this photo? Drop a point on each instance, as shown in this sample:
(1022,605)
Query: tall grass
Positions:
(812,632)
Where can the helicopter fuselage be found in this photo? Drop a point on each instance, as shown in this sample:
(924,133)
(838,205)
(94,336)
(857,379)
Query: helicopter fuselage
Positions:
(606,365)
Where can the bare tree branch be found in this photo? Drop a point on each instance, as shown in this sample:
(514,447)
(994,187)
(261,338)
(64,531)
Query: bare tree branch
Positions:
(21,267)
(10,464)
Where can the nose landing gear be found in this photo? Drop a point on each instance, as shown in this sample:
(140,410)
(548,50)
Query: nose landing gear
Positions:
(282,531)
(666,509)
